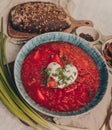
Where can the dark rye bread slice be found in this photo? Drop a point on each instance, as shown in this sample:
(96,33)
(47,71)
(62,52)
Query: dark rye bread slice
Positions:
(33,18)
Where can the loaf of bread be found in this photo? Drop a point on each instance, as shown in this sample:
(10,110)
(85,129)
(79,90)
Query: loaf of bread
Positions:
(38,17)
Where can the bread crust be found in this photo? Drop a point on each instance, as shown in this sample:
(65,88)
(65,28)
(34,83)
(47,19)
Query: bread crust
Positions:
(36,18)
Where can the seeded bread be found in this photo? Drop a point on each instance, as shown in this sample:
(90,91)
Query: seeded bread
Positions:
(38,17)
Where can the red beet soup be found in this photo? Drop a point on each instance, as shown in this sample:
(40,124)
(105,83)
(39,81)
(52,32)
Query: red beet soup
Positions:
(45,71)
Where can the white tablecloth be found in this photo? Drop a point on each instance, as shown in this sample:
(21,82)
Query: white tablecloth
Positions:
(98,11)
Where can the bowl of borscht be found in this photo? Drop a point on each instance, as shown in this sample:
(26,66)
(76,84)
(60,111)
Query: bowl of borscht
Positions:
(60,74)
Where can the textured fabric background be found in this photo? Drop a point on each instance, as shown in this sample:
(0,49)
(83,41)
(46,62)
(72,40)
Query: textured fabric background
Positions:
(98,11)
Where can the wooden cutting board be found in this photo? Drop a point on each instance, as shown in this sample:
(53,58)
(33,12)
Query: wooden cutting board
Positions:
(77,23)
(26,36)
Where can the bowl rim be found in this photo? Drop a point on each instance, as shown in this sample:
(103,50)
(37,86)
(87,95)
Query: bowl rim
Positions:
(60,36)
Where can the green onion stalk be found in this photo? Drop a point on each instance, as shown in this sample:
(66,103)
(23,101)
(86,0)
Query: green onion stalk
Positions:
(9,97)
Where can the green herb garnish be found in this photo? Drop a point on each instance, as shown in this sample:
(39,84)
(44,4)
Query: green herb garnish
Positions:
(45,75)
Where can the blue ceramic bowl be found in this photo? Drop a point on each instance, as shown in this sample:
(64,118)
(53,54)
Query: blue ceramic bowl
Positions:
(59,36)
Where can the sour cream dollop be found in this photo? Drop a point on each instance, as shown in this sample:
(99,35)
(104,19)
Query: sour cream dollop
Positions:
(63,75)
